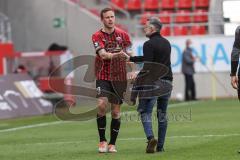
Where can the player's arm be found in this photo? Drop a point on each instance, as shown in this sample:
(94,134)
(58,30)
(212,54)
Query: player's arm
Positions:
(104,55)
(234,65)
(107,55)
(99,47)
(235,59)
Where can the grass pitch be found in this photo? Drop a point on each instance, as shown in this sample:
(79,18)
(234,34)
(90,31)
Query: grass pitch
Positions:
(203,130)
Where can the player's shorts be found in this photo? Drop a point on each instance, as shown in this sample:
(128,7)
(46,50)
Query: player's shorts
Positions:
(113,90)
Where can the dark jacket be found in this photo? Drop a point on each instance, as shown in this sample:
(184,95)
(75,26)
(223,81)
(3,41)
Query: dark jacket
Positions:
(156,58)
(188,62)
(235,53)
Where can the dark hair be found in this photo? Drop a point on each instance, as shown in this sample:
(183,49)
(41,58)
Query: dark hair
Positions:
(21,66)
(104,11)
(57,47)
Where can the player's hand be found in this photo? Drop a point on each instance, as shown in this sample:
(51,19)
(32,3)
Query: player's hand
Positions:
(131,75)
(120,55)
(234,82)
(125,56)
(116,55)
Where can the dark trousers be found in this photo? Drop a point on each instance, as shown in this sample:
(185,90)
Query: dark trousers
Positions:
(190,93)
(239,88)
(145,108)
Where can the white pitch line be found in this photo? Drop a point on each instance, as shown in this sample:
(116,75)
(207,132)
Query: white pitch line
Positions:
(31,126)
(175,105)
(183,104)
(190,136)
(60,122)
(128,139)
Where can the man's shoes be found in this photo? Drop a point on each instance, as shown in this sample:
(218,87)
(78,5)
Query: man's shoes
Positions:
(112,148)
(103,147)
(151,145)
(160,149)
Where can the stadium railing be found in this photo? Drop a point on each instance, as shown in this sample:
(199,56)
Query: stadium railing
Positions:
(186,19)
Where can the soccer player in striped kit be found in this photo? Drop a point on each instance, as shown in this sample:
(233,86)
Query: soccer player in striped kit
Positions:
(111,75)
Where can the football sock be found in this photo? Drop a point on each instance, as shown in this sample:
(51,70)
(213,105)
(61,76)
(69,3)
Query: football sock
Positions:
(115,126)
(101,124)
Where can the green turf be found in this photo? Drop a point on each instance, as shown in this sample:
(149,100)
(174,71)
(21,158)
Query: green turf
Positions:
(200,131)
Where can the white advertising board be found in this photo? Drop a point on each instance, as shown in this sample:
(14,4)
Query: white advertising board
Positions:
(214,52)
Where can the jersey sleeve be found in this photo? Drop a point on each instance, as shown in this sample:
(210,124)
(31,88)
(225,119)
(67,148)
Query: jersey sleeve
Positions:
(97,42)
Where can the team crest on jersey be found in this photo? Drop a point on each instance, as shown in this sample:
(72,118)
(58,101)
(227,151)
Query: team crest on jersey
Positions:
(119,39)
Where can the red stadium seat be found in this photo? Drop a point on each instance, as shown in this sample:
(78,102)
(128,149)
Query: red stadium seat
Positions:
(183,16)
(198,30)
(168,4)
(180,30)
(201,3)
(200,15)
(184,4)
(145,16)
(134,5)
(151,5)
(119,3)
(166,31)
(165,16)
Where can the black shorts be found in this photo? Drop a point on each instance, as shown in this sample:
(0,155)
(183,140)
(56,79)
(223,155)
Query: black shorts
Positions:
(113,90)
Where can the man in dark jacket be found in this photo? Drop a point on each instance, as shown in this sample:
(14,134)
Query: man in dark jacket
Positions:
(235,62)
(188,71)
(154,83)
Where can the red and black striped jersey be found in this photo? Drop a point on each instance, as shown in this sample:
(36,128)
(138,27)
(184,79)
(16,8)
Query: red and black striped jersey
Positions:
(115,69)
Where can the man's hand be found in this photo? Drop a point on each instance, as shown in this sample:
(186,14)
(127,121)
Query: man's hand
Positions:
(234,82)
